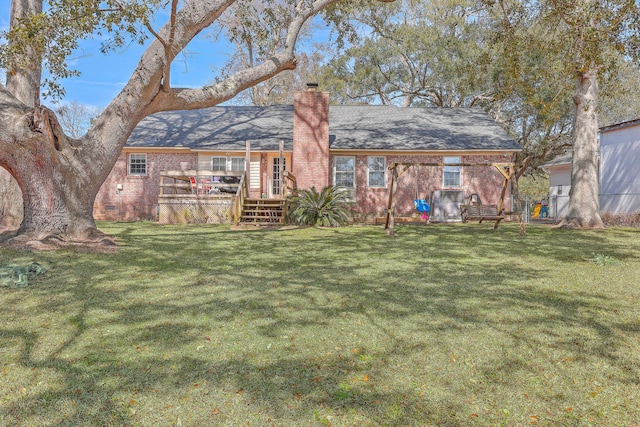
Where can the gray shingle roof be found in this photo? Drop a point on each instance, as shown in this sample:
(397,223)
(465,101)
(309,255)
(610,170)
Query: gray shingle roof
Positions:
(350,128)
(217,128)
(393,128)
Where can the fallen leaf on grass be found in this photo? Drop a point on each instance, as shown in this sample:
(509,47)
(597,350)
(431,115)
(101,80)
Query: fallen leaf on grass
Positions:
(364,379)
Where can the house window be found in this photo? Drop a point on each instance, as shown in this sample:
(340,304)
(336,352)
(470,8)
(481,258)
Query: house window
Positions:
(238,164)
(218,163)
(345,171)
(452,174)
(376,171)
(137,164)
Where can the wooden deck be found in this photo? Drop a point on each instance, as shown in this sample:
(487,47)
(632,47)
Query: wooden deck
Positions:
(201,197)
(220,197)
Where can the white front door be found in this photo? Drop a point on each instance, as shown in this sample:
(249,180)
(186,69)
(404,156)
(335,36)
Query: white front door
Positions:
(275,179)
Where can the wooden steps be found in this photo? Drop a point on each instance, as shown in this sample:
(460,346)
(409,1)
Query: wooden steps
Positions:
(262,212)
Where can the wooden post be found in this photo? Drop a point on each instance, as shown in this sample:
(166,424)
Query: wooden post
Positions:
(247,165)
(265,179)
(390,222)
(507,172)
(388,209)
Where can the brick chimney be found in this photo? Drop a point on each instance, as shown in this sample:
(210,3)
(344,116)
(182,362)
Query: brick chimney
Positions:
(310,162)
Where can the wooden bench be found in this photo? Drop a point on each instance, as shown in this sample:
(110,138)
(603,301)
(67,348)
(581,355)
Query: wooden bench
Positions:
(481,213)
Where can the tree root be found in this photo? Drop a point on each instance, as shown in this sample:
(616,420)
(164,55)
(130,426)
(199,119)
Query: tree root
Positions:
(575,223)
(92,241)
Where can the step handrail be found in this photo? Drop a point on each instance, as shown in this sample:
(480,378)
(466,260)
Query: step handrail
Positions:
(289,184)
(241,195)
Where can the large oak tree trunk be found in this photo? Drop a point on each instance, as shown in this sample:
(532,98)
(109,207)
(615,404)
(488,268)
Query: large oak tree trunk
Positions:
(57,191)
(10,201)
(58,188)
(584,204)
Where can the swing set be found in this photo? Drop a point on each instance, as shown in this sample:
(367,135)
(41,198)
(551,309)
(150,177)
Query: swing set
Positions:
(473,210)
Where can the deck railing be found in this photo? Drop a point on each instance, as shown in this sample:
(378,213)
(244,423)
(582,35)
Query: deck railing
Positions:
(290,187)
(178,182)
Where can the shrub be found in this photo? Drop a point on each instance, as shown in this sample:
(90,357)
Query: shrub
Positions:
(621,220)
(326,208)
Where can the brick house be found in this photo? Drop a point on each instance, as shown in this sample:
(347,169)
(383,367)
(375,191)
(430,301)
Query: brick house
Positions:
(320,145)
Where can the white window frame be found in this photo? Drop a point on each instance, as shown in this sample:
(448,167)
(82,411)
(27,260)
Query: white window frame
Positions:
(337,172)
(241,161)
(224,162)
(137,161)
(371,163)
(448,172)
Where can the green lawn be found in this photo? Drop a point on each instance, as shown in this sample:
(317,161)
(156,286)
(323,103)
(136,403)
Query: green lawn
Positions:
(451,325)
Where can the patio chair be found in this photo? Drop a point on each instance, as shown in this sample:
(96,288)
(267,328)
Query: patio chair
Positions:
(207,185)
(194,185)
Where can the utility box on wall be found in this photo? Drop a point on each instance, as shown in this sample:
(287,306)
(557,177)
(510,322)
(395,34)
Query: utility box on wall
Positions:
(445,205)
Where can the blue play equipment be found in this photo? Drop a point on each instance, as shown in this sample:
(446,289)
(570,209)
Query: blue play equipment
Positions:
(422,206)
(544,212)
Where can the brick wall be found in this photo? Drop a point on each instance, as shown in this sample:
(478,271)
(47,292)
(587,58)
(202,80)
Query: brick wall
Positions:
(310,163)
(138,199)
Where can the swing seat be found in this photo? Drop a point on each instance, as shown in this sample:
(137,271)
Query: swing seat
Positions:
(422,205)
(481,213)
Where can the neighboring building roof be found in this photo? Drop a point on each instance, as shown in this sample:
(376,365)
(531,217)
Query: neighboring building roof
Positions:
(620,125)
(564,159)
(350,128)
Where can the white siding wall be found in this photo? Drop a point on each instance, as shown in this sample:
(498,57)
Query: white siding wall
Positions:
(254,171)
(561,175)
(204,162)
(620,170)
(559,187)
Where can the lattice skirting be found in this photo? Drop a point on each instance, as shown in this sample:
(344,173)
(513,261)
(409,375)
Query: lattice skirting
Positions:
(195,212)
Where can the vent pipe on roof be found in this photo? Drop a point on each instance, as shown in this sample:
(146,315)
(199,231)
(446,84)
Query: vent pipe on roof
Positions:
(312,87)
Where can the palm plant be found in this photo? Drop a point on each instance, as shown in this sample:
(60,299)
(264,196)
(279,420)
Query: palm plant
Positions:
(326,208)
